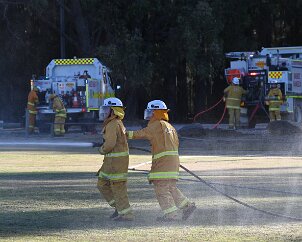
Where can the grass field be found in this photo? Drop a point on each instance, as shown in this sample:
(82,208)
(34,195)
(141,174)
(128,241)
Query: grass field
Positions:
(52,196)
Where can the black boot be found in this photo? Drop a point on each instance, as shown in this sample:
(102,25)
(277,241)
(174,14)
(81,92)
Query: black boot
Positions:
(115,214)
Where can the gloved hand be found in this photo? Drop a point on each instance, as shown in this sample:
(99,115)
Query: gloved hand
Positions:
(96,144)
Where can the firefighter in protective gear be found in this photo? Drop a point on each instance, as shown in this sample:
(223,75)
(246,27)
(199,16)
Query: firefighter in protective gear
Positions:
(112,176)
(233,94)
(32,103)
(60,115)
(274,100)
(165,161)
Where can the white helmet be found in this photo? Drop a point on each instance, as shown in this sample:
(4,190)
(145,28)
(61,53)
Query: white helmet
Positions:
(154,105)
(105,108)
(157,104)
(113,102)
(235,80)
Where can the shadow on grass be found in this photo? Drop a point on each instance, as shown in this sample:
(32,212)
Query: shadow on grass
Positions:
(40,203)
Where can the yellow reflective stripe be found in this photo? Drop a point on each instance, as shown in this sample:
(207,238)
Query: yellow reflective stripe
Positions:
(111,202)
(124,211)
(31,126)
(170,210)
(61,115)
(165,153)
(32,112)
(294,96)
(163,175)
(117,154)
(274,109)
(274,101)
(234,107)
(184,203)
(130,134)
(30,103)
(116,176)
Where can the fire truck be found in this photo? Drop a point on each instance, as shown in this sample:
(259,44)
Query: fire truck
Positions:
(81,83)
(258,70)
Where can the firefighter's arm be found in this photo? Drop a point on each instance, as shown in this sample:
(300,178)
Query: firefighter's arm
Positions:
(110,138)
(36,99)
(55,105)
(139,134)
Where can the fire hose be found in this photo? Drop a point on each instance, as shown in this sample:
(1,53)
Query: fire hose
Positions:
(226,195)
(79,144)
(210,108)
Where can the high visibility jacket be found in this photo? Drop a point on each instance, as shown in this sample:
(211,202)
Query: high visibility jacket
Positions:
(58,107)
(274,105)
(164,141)
(115,150)
(32,102)
(234,94)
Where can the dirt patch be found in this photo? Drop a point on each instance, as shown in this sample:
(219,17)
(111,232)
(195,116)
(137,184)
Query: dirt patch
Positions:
(197,130)
(283,128)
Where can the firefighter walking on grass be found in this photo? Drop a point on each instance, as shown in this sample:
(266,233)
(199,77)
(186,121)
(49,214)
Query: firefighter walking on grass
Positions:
(60,115)
(32,103)
(274,100)
(112,177)
(233,95)
(165,162)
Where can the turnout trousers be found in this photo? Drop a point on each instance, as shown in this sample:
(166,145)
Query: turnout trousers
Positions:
(274,115)
(31,122)
(59,128)
(234,117)
(115,193)
(169,197)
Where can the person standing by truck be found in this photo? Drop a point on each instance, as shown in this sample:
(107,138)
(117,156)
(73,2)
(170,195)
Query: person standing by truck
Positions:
(233,95)
(165,162)
(112,176)
(60,115)
(32,102)
(274,100)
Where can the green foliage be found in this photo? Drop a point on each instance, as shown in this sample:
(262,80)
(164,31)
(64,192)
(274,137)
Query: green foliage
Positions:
(168,49)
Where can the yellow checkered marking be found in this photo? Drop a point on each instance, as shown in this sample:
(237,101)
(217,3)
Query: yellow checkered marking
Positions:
(275,74)
(84,61)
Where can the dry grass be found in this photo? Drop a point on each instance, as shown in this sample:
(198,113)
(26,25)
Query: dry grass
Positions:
(51,196)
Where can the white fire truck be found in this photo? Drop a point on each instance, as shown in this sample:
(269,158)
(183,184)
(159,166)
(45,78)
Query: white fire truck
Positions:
(258,70)
(82,84)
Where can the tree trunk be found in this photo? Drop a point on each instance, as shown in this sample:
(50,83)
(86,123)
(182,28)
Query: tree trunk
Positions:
(82,29)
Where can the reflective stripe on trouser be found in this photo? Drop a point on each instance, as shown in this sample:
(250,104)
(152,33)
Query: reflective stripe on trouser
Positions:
(165,153)
(117,192)
(113,176)
(31,122)
(169,197)
(274,115)
(117,154)
(59,128)
(163,175)
(234,117)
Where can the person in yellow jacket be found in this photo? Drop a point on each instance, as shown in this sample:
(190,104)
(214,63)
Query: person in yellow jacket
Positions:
(165,161)
(112,176)
(233,94)
(274,100)
(32,102)
(60,115)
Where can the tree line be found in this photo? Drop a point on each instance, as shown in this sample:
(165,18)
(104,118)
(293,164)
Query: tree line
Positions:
(157,49)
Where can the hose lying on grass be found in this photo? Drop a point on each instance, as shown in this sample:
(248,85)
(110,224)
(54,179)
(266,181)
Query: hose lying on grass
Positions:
(223,193)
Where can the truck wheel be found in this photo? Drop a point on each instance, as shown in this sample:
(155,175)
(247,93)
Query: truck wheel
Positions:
(298,115)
